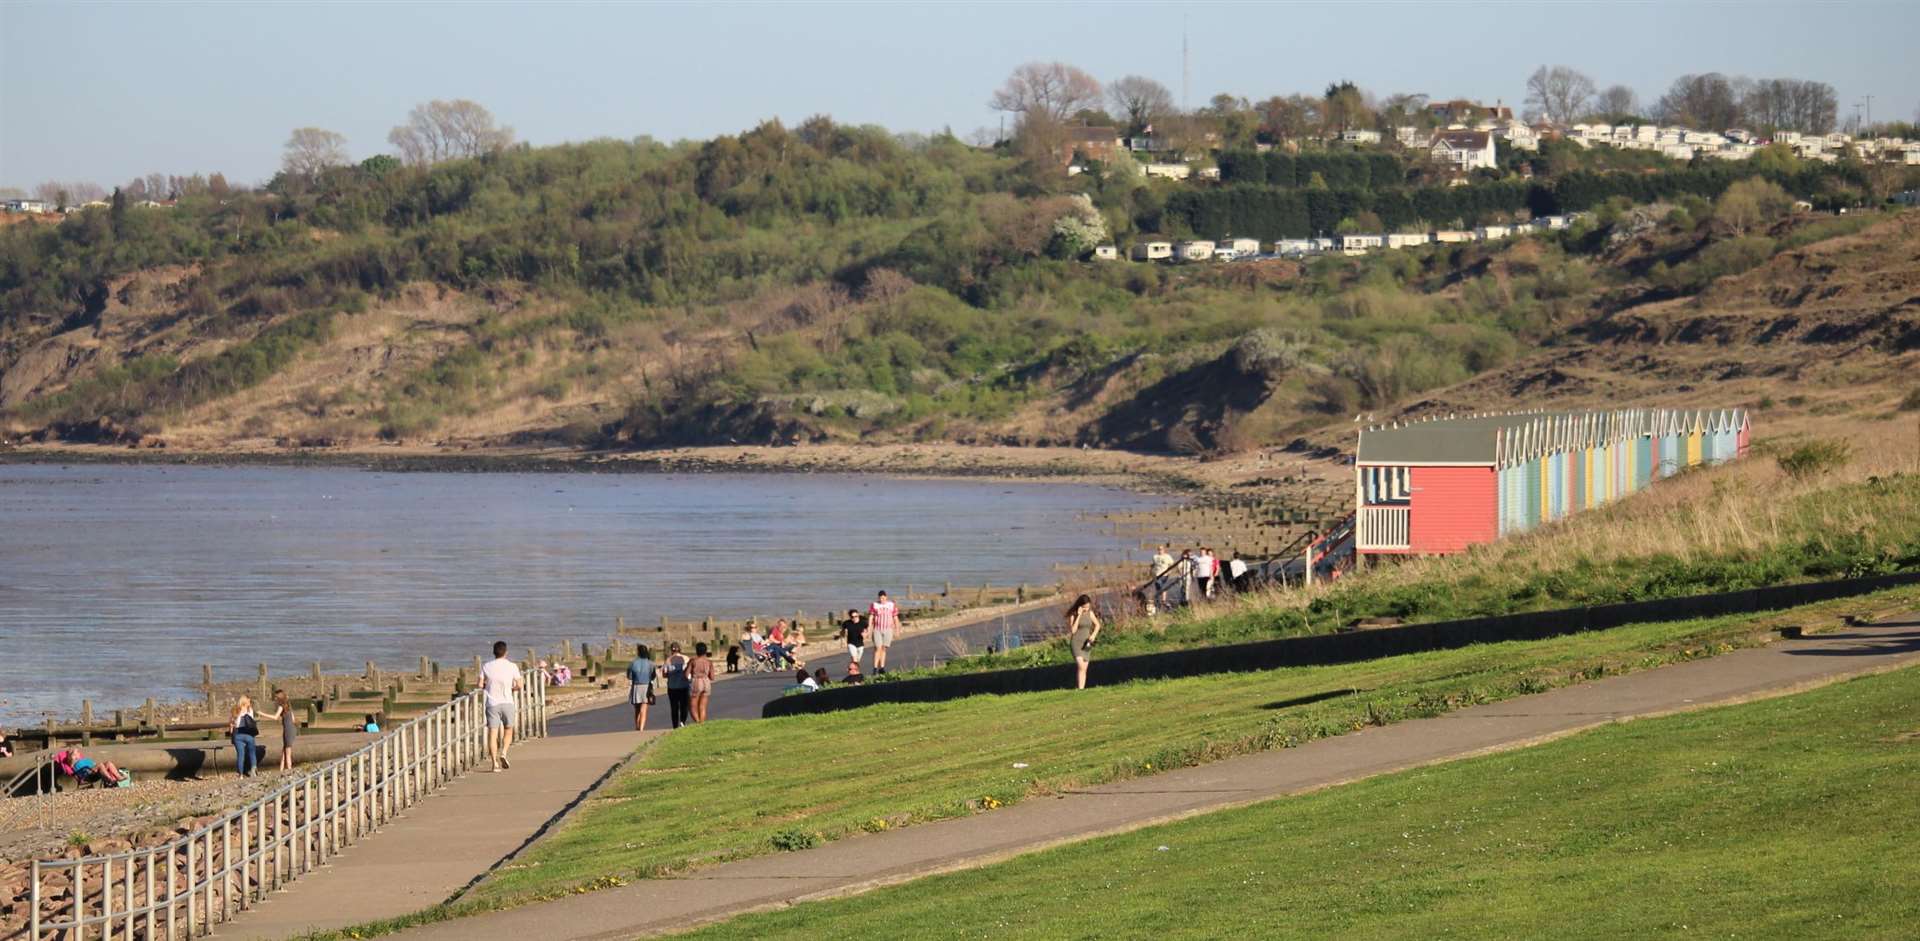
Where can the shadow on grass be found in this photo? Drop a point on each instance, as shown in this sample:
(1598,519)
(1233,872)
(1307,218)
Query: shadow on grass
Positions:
(1310,698)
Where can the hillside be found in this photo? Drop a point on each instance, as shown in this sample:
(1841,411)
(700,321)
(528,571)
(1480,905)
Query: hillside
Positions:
(836,284)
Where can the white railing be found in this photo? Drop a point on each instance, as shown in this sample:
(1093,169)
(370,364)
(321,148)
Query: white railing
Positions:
(184,888)
(1383,527)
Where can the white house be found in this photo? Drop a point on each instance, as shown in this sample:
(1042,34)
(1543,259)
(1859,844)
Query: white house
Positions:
(1408,239)
(1465,150)
(1193,250)
(1361,243)
(1556,222)
(28,205)
(1223,253)
(1358,136)
(1452,235)
(1242,247)
(1171,171)
(1293,246)
(1152,250)
(1487,232)
(1105,252)
(1323,244)
(1209,173)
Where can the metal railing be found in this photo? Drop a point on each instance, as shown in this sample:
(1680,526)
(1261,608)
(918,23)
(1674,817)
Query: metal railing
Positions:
(41,775)
(182,889)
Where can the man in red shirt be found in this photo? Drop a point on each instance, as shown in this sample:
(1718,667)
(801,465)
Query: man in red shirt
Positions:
(883,618)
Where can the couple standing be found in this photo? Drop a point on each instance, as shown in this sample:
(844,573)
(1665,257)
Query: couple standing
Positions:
(689,684)
(878,628)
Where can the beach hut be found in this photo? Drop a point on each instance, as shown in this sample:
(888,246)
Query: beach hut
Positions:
(1438,486)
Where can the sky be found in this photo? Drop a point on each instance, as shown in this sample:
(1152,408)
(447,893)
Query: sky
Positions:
(105,91)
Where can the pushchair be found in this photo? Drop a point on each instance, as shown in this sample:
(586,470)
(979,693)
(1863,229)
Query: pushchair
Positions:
(758,658)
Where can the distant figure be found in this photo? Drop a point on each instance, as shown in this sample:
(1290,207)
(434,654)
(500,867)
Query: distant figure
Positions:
(1083,628)
(777,645)
(245,732)
(1184,570)
(501,679)
(796,637)
(1205,568)
(853,674)
(805,681)
(371,723)
(640,674)
(884,618)
(1160,573)
(1237,573)
(854,628)
(699,682)
(679,696)
(6,751)
(820,677)
(733,658)
(283,711)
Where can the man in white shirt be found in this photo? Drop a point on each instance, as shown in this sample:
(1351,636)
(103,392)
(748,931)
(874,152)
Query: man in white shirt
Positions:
(1161,570)
(500,678)
(883,619)
(1206,566)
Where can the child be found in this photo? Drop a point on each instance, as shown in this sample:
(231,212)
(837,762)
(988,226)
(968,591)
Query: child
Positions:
(284,712)
(372,723)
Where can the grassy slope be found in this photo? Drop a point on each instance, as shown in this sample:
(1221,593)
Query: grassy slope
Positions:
(759,785)
(1737,526)
(1786,818)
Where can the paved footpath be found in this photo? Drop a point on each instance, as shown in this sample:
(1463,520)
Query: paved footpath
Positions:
(440,845)
(869,861)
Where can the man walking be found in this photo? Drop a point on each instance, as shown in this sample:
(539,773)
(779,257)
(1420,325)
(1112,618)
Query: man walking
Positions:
(1161,569)
(501,679)
(855,630)
(883,618)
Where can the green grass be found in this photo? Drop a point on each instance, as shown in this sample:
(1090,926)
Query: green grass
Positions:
(756,787)
(1789,818)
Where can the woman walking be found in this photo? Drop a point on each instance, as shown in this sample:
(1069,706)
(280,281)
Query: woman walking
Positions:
(678,687)
(1083,628)
(700,680)
(245,732)
(284,712)
(640,673)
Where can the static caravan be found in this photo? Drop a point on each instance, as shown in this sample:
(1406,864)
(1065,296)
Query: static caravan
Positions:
(1242,248)
(1105,252)
(1152,250)
(1408,239)
(1451,236)
(1437,487)
(1193,250)
(1293,246)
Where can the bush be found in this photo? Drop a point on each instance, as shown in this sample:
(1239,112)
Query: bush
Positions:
(793,841)
(1816,458)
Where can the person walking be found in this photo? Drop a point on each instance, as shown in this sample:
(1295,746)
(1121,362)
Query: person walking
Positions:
(640,674)
(884,618)
(679,695)
(854,629)
(244,729)
(699,682)
(283,711)
(1160,572)
(500,678)
(1184,571)
(1206,566)
(1083,628)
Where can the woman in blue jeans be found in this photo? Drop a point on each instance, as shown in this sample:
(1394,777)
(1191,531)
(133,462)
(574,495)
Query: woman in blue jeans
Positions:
(245,732)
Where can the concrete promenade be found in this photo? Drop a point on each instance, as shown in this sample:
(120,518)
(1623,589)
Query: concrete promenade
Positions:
(868,861)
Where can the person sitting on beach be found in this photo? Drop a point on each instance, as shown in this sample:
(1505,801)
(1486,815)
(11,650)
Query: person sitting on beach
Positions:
(562,675)
(778,646)
(372,723)
(853,673)
(6,751)
(803,681)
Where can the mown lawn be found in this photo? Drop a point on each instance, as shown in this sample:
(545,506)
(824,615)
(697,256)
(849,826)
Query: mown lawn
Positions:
(733,789)
(1788,818)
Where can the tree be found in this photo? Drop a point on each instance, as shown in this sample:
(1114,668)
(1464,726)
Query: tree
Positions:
(1291,118)
(1749,203)
(157,187)
(1054,89)
(1616,102)
(1558,93)
(379,165)
(217,186)
(1346,107)
(1702,101)
(310,150)
(1142,100)
(448,130)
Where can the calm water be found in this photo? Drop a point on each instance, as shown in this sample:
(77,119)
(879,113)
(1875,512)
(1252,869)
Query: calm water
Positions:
(116,583)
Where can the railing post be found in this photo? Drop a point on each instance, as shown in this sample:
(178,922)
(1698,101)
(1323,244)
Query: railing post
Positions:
(226,869)
(33,898)
(153,901)
(193,894)
(206,859)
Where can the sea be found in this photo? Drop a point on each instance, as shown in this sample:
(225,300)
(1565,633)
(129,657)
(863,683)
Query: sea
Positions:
(118,582)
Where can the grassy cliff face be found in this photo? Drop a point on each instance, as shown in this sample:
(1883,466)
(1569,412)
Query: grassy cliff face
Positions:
(821,283)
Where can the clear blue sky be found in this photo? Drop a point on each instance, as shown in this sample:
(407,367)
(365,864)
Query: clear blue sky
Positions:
(105,91)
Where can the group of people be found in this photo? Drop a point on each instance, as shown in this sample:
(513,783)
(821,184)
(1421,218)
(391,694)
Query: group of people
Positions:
(689,682)
(243,728)
(774,648)
(1196,575)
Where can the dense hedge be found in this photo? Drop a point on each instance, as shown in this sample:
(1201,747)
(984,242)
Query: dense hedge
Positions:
(1268,211)
(1355,170)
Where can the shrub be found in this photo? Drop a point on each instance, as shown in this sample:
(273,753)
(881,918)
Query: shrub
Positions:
(1816,458)
(793,841)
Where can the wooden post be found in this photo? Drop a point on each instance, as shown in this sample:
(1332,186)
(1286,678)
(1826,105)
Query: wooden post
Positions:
(86,721)
(619,625)
(436,671)
(316,673)
(423,665)
(370,671)
(262,683)
(148,712)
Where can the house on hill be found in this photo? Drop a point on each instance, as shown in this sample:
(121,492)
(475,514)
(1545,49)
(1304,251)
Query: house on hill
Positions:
(1436,487)
(1093,143)
(1152,250)
(1463,149)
